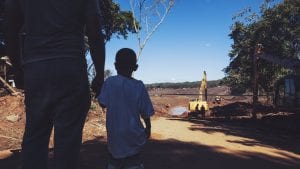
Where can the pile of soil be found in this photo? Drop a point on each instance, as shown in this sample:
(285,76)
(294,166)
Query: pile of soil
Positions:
(12,122)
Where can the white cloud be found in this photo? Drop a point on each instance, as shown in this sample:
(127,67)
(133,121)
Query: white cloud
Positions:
(207,45)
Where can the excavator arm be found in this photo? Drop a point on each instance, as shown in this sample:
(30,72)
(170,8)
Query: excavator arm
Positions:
(203,88)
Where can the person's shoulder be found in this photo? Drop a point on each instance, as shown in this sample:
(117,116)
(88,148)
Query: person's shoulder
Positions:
(111,78)
(139,83)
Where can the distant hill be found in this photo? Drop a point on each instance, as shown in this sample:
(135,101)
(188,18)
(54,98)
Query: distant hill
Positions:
(212,83)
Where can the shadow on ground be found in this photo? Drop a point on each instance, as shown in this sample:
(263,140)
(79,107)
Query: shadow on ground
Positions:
(169,154)
(273,131)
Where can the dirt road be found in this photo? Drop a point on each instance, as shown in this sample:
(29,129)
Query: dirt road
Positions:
(199,144)
(196,144)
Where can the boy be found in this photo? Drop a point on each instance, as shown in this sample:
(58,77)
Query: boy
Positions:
(126,99)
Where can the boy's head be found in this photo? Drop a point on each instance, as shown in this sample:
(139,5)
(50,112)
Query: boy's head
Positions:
(126,61)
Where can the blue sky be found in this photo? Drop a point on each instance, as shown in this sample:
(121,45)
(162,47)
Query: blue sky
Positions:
(193,38)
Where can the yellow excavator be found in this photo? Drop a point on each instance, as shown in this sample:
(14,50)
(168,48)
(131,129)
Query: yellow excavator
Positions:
(200,106)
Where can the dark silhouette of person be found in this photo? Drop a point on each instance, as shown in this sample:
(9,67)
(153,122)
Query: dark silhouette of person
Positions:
(197,110)
(202,111)
(55,73)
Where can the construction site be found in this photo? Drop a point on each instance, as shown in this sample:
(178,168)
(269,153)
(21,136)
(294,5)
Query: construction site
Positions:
(205,126)
(183,137)
(226,137)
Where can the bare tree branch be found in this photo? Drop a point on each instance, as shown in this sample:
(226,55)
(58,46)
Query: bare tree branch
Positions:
(159,8)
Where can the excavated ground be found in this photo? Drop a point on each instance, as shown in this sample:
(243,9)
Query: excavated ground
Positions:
(228,139)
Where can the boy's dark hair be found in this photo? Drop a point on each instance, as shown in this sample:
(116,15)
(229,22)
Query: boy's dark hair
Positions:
(126,59)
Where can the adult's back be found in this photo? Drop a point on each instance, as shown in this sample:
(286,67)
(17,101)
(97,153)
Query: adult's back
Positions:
(54,28)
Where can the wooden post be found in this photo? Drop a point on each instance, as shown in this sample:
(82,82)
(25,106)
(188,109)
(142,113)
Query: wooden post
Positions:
(11,89)
(255,82)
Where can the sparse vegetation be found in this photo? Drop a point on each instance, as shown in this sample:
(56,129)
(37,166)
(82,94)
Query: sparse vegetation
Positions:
(213,83)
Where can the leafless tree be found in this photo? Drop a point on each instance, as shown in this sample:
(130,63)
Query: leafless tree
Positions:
(149,15)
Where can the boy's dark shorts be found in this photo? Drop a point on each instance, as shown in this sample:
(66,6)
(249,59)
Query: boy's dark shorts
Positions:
(130,162)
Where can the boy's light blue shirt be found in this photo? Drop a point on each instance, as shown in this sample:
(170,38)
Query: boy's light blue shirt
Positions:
(126,101)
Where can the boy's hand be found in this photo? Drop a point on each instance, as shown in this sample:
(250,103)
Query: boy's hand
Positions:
(148,127)
(148,132)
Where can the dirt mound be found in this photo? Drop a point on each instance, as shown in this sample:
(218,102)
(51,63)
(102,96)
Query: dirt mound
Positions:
(12,122)
(232,109)
(241,109)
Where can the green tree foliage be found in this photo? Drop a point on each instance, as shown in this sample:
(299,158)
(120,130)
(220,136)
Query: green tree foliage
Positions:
(277,28)
(116,22)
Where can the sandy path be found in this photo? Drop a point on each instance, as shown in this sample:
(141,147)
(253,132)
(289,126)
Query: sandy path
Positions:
(233,145)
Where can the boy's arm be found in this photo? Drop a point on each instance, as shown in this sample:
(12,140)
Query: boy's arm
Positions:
(147,110)
(148,127)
